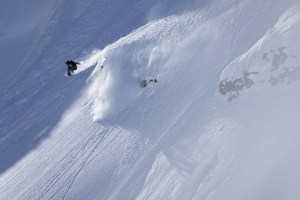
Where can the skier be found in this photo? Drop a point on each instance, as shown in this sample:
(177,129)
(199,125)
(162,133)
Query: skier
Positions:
(71,66)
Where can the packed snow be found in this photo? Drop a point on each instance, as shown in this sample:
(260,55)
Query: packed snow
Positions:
(221,122)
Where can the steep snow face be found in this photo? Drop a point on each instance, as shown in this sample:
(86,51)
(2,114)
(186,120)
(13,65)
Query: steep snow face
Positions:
(273,60)
(179,138)
(21,25)
(140,56)
(264,81)
(73,29)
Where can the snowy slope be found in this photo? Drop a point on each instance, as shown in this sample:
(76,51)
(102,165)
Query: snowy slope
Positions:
(273,59)
(21,25)
(99,135)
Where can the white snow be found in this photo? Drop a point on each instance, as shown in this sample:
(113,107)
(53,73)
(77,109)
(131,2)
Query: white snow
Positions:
(21,25)
(220,123)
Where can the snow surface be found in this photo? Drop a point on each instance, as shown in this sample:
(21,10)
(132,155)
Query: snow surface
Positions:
(222,121)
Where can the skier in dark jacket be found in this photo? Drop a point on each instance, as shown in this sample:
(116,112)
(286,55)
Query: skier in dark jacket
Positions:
(71,66)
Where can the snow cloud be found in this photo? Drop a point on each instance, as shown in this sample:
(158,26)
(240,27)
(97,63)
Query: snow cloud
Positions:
(140,56)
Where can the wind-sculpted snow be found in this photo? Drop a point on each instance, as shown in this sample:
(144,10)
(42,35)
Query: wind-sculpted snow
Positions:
(274,59)
(115,82)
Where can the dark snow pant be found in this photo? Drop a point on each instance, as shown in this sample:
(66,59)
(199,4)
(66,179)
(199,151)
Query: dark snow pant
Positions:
(70,70)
